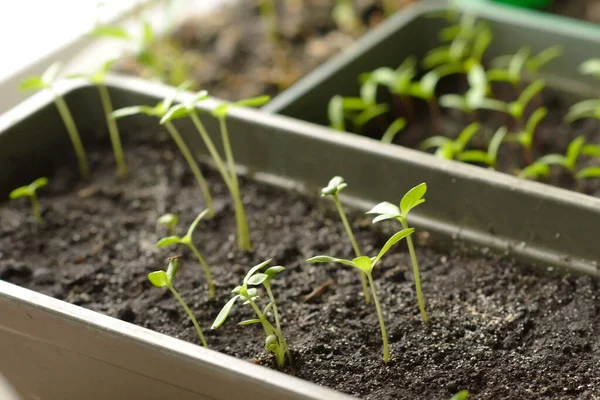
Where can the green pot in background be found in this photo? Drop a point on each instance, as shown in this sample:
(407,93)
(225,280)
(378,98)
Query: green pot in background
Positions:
(526,3)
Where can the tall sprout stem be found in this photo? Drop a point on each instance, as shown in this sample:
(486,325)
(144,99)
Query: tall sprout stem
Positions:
(187,154)
(386,350)
(67,118)
(416,273)
(229,176)
(113,131)
(35,208)
(363,277)
(269,330)
(190,314)
(286,349)
(205,268)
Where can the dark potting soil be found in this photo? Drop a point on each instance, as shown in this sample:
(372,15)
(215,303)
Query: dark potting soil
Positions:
(498,328)
(588,10)
(228,52)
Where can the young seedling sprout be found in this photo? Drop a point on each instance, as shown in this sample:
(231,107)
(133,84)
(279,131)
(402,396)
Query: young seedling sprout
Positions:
(335,186)
(525,137)
(517,108)
(366,265)
(513,71)
(354,109)
(30,191)
(568,161)
(591,67)
(345,16)
(448,148)
(46,81)
(385,211)
(187,241)
(275,341)
(226,168)
(159,111)
(162,279)
(584,109)
(98,79)
(170,222)
(514,64)
(489,157)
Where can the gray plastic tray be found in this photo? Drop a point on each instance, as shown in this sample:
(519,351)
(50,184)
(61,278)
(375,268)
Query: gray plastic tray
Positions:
(54,350)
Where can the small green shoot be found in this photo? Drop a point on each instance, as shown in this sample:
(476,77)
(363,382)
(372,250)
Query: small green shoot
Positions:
(535,170)
(525,136)
(275,341)
(159,111)
(98,79)
(386,211)
(187,241)
(591,67)
(46,81)
(355,109)
(366,265)
(489,157)
(109,32)
(462,395)
(345,16)
(447,148)
(584,109)
(513,72)
(162,279)
(170,222)
(335,186)
(576,148)
(514,63)
(395,127)
(31,192)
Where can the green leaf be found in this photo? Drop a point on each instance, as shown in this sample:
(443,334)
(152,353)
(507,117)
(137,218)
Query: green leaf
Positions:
(33,83)
(535,63)
(255,269)
(398,236)
(553,159)
(250,322)
(482,42)
(363,263)
(257,279)
(392,130)
(175,112)
(462,395)
(253,101)
(501,62)
(535,119)
(49,75)
(168,101)
(413,198)
(535,170)
(274,270)
(109,31)
(133,110)
(477,78)
(368,92)
(335,112)
(492,104)
(591,67)
(327,259)
(224,313)
(354,104)
(200,96)
(167,241)
(173,268)
(592,150)
(434,142)
(518,62)
(435,57)
(23,191)
(454,101)
(168,220)
(495,144)
(221,110)
(573,151)
(39,183)
(530,91)
(474,156)
(499,75)
(158,278)
(583,109)
(371,113)
(590,172)
(465,136)
(385,208)
(335,185)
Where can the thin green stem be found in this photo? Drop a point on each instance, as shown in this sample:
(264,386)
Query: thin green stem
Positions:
(205,267)
(230,179)
(187,154)
(35,208)
(73,135)
(113,131)
(270,330)
(363,278)
(190,314)
(416,273)
(386,350)
(286,348)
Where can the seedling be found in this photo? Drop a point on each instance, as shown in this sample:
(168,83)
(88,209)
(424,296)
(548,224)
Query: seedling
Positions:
(30,191)
(591,67)
(187,241)
(170,222)
(355,109)
(448,148)
(535,170)
(514,64)
(385,211)
(525,137)
(513,72)
(162,279)
(98,79)
(159,111)
(275,341)
(489,157)
(345,16)
(366,265)
(576,148)
(516,109)
(462,395)
(393,130)
(335,186)
(584,109)
(46,81)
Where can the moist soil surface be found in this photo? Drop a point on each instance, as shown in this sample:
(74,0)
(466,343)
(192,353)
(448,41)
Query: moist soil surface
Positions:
(498,328)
